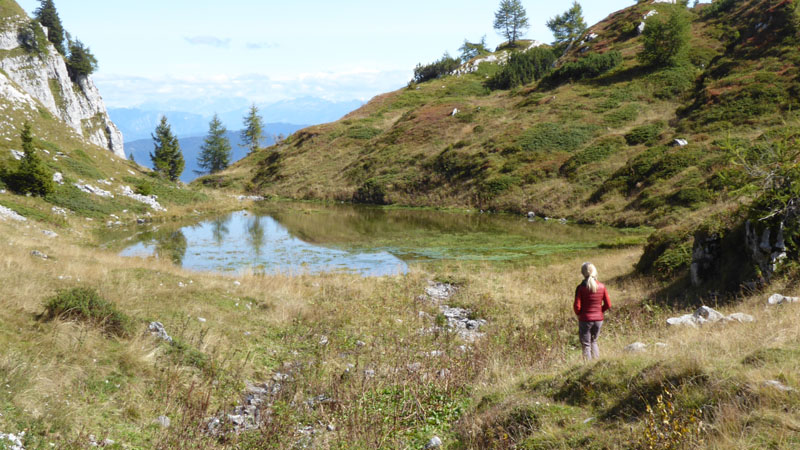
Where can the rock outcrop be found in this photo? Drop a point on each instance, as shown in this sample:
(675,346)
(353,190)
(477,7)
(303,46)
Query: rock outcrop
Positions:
(34,79)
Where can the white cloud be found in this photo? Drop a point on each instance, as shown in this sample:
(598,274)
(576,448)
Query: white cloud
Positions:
(127,91)
(211,41)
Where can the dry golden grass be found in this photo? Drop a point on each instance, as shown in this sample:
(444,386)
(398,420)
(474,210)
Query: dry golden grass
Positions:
(68,379)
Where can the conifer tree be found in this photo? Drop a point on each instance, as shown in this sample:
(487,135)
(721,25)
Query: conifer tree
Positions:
(216,148)
(568,27)
(81,61)
(32,176)
(167,157)
(511,20)
(253,132)
(47,15)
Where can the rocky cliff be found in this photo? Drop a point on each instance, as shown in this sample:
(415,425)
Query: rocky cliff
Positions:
(34,76)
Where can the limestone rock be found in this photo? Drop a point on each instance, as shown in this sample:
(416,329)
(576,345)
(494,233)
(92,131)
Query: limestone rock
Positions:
(39,254)
(12,441)
(157,329)
(775,384)
(10,214)
(680,142)
(163,421)
(151,200)
(58,178)
(778,299)
(636,347)
(435,442)
(704,315)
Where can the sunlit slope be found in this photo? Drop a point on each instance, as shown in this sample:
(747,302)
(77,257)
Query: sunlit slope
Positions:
(598,149)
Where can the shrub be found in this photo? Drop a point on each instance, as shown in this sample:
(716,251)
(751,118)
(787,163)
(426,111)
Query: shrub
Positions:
(144,188)
(442,67)
(666,253)
(556,137)
(591,154)
(523,68)
(371,191)
(81,62)
(645,134)
(590,66)
(621,116)
(689,197)
(673,82)
(453,164)
(495,185)
(362,132)
(85,304)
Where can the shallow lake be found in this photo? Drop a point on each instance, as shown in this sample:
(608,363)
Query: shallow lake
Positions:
(302,238)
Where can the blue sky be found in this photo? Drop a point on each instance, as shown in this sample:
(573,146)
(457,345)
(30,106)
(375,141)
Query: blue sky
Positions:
(206,52)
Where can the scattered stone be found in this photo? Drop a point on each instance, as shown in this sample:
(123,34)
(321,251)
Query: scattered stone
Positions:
(562,221)
(12,441)
(704,315)
(331,427)
(157,329)
(201,319)
(7,213)
(440,291)
(369,373)
(360,343)
(588,420)
(150,200)
(680,143)
(435,442)
(661,345)
(50,234)
(778,299)
(89,189)
(323,341)
(636,347)
(39,254)
(414,367)
(278,377)
(58,177)
(590,37)
(237,283)
(254,198)
(59,211)
(778,385)
(181,285)
(443,373)
(18,155)
(163,421)
(455,111)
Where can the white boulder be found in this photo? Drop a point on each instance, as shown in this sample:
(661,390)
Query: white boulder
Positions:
(778,299)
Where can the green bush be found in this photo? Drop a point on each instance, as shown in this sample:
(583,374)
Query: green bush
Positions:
(362,132)
(556,137)
(85,304)
(645,134)
(440,68)
(590,154)
(523,68)
(497,184)
(590,66)
(144,188)
(371,191)
(690,197)
(453,164)
(673,82)
(666,254)
(621,116)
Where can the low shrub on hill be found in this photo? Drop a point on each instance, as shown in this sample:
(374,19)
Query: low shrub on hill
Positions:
(645,134)
(85,304)
(556,137)
(523,68)
(591,154)
(666,254)
(590,66)
(442,67)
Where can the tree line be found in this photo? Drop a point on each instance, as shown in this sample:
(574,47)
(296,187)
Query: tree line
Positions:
(79,58)
(215,154)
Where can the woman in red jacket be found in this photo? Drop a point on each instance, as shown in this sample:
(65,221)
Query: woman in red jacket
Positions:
(591,301)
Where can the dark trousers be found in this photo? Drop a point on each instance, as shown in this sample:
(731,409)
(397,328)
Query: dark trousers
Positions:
(588,332)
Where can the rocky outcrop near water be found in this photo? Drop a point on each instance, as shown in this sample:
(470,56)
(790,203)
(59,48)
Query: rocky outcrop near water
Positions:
(34,77)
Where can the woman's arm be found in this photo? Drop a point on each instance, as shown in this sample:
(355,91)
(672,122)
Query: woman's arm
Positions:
(606,301)
(576,306)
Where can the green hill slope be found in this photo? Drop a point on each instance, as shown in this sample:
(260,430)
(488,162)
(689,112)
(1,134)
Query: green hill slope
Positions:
(597,149)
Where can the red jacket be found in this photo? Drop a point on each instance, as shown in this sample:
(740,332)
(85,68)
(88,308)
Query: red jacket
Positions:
(589,306)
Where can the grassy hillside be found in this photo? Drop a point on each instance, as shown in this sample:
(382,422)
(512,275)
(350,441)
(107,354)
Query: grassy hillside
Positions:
(596,150)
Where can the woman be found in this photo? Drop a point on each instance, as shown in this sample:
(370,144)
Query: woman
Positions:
(591,301)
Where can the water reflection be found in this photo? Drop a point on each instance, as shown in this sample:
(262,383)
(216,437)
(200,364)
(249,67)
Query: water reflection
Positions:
(244,241)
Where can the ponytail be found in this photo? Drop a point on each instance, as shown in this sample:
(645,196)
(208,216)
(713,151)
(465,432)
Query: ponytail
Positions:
(589,272)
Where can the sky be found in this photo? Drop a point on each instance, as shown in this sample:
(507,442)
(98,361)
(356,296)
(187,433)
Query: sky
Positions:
(205,53)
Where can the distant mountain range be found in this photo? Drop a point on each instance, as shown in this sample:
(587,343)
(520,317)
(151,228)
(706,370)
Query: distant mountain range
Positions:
(187,119)
(191,147)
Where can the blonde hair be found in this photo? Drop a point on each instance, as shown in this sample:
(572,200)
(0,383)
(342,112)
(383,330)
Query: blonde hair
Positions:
(589,272)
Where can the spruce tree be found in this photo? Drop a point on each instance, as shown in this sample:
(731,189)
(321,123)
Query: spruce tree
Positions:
(253,132)
(32,176)
(47,15)
(568,27)
(167,157)
(81,61)
(511,20)
(216,148)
